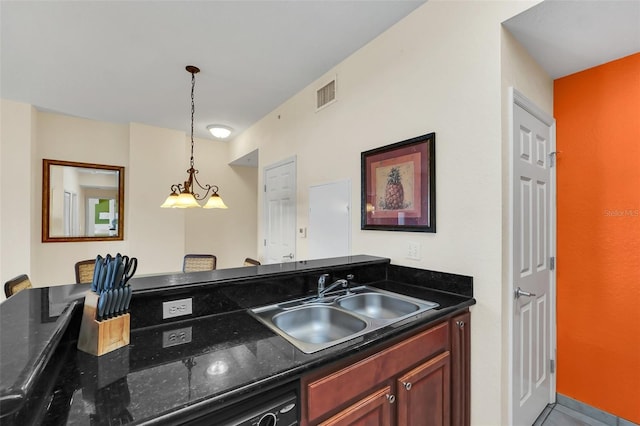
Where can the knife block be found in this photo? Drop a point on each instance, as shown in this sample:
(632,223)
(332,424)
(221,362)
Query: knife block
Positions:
(101,337)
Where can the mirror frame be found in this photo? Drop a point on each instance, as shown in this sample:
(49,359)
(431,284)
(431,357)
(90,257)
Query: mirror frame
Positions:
(46,164)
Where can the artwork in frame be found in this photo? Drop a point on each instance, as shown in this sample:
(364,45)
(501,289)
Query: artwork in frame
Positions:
(398,186)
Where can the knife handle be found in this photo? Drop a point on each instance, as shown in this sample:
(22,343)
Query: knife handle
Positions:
(96,273)
(109,279)
(119,298)
(114,301)
(127,298)
(102,300)
(119,274)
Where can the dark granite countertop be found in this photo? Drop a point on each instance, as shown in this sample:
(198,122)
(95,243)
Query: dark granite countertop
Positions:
(152,283)
(172,370)
(32,324)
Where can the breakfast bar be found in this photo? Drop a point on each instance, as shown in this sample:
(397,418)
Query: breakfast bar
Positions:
(216,362)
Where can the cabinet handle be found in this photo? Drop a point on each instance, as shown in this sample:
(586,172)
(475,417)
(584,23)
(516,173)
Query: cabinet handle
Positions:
(460,324)
(391,398)
(407,385)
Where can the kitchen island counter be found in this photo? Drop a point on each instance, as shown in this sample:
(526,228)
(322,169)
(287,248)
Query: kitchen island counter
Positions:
(173,371)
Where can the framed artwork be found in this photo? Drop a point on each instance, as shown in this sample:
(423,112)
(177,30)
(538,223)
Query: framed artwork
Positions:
(398,186)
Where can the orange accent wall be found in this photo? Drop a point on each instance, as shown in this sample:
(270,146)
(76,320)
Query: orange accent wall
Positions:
(597,114)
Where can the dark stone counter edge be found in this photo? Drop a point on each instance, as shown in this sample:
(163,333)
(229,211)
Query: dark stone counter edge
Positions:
(153,283)
(13,397)
(381,338)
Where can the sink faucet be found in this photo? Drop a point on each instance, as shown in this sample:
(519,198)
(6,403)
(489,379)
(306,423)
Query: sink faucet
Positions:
(321,284)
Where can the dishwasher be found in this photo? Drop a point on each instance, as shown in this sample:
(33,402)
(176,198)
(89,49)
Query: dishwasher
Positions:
(276,407)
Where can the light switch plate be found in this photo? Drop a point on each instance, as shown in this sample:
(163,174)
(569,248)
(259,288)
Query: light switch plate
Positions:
(177,308)
(413,251)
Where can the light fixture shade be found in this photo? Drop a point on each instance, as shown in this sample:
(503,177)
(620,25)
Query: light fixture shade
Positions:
(185,200)
(170,201)
(215,202)
(219,131)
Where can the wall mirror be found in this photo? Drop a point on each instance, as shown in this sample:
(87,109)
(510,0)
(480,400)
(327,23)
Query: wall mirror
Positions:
(82,202)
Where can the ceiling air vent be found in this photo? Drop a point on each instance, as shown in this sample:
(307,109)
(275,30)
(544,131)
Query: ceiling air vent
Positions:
(326,95)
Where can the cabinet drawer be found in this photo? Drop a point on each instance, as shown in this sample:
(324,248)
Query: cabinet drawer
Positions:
(336,389)
(374,409)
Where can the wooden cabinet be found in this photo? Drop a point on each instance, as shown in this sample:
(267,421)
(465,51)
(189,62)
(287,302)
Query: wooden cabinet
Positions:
(411,383)
(460,327)
(406,384)
(421,397)
(423,394)
(374,409)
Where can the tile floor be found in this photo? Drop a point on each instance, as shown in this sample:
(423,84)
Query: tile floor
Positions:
(567,412)
(559,415)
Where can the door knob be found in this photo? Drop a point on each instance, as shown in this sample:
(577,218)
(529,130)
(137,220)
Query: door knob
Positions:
(407,385)
(519,292)
(391,398)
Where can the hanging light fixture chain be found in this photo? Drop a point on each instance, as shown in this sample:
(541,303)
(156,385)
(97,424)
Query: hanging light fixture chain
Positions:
(193,109)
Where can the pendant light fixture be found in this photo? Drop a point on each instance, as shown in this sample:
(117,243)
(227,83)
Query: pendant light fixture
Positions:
(184,196)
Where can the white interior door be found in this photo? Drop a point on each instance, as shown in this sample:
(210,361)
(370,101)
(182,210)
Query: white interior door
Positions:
(280,212)
(533,238)
(330,220)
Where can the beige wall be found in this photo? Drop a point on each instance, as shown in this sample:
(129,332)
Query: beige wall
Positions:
(158,237)
(210,231)
(17,122)
(438,70)
(61,137)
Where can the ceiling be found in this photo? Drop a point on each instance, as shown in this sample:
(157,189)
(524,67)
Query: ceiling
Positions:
(123,61)
(567,36)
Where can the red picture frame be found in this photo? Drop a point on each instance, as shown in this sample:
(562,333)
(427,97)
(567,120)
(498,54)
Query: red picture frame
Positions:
(398,186)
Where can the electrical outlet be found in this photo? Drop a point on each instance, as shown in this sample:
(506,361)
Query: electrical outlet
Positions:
(177,308)
(176,337)
(413,251)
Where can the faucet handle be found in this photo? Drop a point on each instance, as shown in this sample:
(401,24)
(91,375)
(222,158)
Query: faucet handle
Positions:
(322,279)
(349,279)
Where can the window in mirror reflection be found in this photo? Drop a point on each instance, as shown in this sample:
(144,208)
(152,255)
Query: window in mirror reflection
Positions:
(84,201)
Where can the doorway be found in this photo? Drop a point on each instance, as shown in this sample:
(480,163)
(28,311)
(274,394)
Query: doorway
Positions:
(330,220)
(532,261)
(279,217)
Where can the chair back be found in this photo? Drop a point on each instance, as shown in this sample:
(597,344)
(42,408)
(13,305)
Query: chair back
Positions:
(199,262)
(251,262)
(84,271)
(17,284)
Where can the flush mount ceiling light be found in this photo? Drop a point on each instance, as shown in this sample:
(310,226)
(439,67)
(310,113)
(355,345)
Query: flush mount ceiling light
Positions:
(184,196)
(219,131)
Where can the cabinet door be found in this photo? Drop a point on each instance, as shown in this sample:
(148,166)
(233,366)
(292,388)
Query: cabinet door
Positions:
(424,394)
(328,391)
(461,369)
(374,410)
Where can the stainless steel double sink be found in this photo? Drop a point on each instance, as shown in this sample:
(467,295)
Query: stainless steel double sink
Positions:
(313,324)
